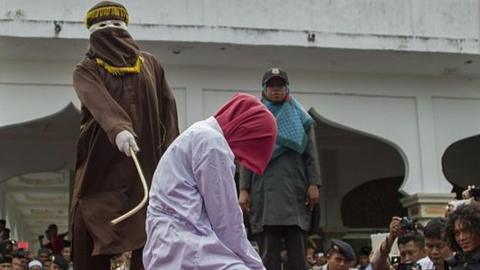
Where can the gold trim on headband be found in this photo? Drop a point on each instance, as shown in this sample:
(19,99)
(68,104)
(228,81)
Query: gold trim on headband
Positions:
(117,71)
(107,11)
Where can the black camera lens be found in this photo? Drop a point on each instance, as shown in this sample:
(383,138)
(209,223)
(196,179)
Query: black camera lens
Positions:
(407,224)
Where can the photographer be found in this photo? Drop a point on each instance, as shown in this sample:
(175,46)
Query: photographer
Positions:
(410,244)
(463,235)
(436,247)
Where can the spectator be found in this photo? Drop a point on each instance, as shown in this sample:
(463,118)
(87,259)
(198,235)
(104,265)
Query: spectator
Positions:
(310,257)
(56,241)
(463,235)
(436,247)
(35,265)
(340,256)
(17,263)
(23,254)
(280,202)
(320,258)
(59,263)
(5,262)
(43,255)
(47,264)
(411,245)
(364,259)
(66,253)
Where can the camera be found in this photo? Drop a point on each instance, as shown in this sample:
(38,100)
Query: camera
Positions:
(409,266)
(395,261)
(475,193)
(407,224)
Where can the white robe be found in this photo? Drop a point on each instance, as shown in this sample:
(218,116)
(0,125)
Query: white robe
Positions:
(193,219)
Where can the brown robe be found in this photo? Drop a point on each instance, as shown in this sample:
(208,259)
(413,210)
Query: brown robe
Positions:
(106,182)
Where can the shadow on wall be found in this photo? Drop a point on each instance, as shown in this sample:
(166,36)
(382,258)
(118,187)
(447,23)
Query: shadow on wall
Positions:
(460,163)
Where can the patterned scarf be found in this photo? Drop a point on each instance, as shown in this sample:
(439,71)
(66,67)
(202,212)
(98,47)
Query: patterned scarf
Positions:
(292,123)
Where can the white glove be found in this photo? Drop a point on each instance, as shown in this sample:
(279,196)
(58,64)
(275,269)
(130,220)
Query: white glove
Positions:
(124,141)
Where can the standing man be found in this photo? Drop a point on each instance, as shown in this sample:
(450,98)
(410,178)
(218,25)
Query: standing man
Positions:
(126,103)
(280,201)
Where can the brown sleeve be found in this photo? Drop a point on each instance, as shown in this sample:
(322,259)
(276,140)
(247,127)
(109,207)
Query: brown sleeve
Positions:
(95,97)
(168,108)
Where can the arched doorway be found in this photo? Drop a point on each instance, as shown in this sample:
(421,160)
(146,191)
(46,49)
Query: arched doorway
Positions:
(460,163)
(356,168)
(36,166)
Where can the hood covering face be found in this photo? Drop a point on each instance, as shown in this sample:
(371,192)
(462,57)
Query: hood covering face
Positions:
(112,48)
(250,130)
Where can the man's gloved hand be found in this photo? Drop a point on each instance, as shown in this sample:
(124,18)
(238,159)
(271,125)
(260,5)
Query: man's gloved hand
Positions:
(124,140)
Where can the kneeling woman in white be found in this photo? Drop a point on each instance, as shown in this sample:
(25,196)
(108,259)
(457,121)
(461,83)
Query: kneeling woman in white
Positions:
(193,219)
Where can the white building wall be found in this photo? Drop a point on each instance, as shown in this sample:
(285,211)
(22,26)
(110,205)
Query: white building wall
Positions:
(410,25)
(420,116)
(355,73)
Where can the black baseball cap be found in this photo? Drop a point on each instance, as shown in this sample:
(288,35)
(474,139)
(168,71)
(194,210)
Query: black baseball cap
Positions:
(274,72)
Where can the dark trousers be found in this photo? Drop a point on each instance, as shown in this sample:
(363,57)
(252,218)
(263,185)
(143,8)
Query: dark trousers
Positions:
(269,243)
(82,248)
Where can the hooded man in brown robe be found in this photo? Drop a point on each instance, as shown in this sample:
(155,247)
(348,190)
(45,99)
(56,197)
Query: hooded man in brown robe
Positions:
(126,102)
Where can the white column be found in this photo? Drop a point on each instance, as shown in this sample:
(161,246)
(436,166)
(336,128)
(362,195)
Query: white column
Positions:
(424,206)
(431,181)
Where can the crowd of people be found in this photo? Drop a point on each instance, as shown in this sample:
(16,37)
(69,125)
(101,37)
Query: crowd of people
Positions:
(194,218)
(53,255)
(450,242)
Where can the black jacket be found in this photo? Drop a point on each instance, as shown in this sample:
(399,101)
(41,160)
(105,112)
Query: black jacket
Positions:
(461,261)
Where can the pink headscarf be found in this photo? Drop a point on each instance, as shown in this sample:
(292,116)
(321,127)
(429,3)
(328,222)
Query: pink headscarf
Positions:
(250,130)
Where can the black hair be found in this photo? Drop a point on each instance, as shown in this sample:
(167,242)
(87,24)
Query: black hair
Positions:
(414,236)
(435,228)
(364,251)
(469,216)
